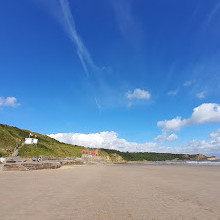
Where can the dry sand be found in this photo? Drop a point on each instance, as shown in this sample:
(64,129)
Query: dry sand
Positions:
(158,192)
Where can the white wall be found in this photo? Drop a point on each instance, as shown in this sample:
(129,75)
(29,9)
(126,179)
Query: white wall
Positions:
(31,141)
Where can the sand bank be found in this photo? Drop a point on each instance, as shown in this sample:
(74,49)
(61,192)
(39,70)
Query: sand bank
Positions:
(117,192)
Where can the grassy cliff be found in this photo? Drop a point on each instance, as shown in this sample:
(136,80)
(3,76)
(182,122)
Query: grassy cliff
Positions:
(10,136)
(149,156)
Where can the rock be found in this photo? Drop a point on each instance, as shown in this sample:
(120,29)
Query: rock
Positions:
(200,157)
(89,159)
(212,158)
(186,156)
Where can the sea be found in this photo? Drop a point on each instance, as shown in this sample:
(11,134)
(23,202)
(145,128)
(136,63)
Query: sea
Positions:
(190,163)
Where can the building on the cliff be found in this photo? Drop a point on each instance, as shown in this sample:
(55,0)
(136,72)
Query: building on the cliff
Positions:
(91,151)
(30,140)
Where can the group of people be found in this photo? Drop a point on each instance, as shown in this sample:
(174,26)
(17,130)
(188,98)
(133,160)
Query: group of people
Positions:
(35,159)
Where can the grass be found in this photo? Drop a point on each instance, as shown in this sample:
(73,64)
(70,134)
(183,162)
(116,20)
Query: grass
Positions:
(9,138)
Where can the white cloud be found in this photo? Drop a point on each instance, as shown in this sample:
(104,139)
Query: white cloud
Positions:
(211,148)
(9,101)
(172,125)
(215,134)
(138,94)
(164,137)
(172,137)
(200,95)
(106,139)
(173,92)
(205,113)
(110,140)
(1,101)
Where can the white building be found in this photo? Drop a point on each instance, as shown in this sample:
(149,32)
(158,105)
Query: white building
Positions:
(31,141)
(35,141)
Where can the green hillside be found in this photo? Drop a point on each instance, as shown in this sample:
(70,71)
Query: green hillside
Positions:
(9,138)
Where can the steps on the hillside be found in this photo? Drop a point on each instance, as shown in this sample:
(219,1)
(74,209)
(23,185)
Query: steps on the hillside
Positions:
(16,150)
(15,153)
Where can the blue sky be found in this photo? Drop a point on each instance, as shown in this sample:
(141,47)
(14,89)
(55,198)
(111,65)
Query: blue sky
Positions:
(120,71)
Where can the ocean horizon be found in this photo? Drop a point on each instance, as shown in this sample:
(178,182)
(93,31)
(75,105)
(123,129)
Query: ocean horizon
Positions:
(200,163)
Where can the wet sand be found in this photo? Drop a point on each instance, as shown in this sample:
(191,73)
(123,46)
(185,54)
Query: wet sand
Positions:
(152,192)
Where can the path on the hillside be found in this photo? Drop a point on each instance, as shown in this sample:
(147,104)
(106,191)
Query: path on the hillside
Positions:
(16,150)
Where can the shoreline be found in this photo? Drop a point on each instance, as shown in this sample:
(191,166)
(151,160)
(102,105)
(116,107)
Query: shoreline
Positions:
(30,165)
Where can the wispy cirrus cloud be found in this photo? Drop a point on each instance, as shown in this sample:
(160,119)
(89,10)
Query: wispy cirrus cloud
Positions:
(212,14)
(60,10)
(69,25)
(129,27)
(9,102)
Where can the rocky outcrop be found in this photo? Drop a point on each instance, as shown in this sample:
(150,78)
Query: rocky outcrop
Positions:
(89,159)
(200,157)
(114,158)
(212,158)
(197,157)
(186,156)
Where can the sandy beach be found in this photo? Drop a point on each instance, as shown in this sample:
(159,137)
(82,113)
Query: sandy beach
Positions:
(152,192)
